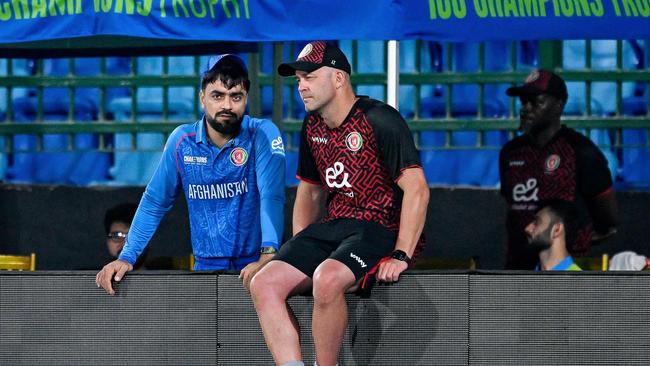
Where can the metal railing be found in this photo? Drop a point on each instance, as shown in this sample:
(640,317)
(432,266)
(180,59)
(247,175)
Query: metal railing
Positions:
(432,74)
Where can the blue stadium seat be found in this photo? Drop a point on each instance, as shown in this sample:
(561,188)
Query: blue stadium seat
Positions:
(635,169)
(291,140)
(3,108)
(371,61)
(56,164)
(136,167)
(3,146)
(298,109)
(465,166)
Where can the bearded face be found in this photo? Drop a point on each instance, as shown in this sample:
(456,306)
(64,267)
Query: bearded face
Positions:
(224,108)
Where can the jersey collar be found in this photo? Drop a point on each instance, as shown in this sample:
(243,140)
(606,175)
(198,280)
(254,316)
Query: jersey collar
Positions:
(202,133)
(562,266)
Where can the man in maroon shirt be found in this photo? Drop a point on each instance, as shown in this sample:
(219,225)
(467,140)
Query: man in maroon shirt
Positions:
(359,155)
(550,161)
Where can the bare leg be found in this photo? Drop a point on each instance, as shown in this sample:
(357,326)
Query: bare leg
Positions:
(330,318)
(270,289)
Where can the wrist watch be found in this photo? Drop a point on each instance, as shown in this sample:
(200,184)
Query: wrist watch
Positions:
(268,250)
(401,256)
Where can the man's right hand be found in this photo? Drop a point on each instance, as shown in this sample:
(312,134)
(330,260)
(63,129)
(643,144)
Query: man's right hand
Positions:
(117,269)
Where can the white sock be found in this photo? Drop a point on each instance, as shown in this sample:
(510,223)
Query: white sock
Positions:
(293,363)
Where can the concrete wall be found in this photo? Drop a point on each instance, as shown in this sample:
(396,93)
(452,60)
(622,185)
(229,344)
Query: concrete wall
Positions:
(64,225)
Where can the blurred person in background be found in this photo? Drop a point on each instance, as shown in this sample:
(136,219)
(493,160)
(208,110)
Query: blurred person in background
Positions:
(551,161)
(554,225)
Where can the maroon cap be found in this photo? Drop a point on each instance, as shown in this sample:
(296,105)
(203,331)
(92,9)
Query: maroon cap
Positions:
(541,82)
(314,56)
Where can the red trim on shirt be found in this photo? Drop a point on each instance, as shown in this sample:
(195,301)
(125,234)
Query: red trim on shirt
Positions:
(178,167)
(401,171)
(308,180)
(605,192)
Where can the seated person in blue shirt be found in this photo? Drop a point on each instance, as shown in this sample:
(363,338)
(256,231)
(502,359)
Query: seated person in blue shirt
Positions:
(231,168)
(554,225)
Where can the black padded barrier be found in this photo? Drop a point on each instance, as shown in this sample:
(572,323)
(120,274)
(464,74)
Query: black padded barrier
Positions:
(420,321)
(428,318)
(64,319)
(560,318)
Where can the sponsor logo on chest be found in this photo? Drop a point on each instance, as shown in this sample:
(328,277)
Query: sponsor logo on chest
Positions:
(526,192)
(195,160)
(516,163)
(319,139)
(335,177)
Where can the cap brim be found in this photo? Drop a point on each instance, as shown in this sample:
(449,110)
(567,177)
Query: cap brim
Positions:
(290,68)
(523,90)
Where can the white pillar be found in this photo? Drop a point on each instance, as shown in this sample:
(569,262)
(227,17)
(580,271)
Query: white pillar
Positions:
(392,91)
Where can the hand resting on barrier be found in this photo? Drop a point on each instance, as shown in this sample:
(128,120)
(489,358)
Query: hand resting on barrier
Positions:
(116,269)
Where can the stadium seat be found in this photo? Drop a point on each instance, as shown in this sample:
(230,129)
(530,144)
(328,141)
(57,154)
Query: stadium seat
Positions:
(298,109)
(466,165)
(136,167)
(64,159)
(55,164)
(635,166)
(18,262)
(593,263)
(291,144)
(3,146)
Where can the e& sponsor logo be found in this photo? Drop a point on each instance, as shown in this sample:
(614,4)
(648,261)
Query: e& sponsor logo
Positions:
(332,175)
(277,146)
(526,192)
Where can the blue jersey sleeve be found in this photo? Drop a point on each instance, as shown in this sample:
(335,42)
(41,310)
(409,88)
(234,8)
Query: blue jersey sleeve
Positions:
(157,200)
(270,172)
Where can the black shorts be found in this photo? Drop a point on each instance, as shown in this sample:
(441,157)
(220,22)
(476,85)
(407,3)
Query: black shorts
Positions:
(356,243)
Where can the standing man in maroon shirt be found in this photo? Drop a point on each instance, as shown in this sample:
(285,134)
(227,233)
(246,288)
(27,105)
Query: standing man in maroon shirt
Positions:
(359,155)
(550,161)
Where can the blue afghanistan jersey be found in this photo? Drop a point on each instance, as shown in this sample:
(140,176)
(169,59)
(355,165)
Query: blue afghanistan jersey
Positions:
(235,195)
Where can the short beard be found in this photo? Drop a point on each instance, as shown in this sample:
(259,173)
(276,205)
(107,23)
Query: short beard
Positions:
(229,129)
(541,241)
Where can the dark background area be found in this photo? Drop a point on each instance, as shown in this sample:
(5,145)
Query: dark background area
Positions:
(63,225)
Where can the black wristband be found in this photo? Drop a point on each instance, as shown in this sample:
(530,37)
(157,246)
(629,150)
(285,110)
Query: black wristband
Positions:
(400,255)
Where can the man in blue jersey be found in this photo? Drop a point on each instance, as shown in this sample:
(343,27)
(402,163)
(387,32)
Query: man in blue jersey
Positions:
(231,168)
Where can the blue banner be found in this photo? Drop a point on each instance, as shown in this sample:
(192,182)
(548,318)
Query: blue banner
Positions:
(276,20)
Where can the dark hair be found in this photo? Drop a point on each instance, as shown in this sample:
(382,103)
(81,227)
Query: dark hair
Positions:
(564,212)
(230,72)
(123,212)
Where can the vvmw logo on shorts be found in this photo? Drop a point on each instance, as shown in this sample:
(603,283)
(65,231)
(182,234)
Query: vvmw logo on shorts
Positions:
(358,259)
